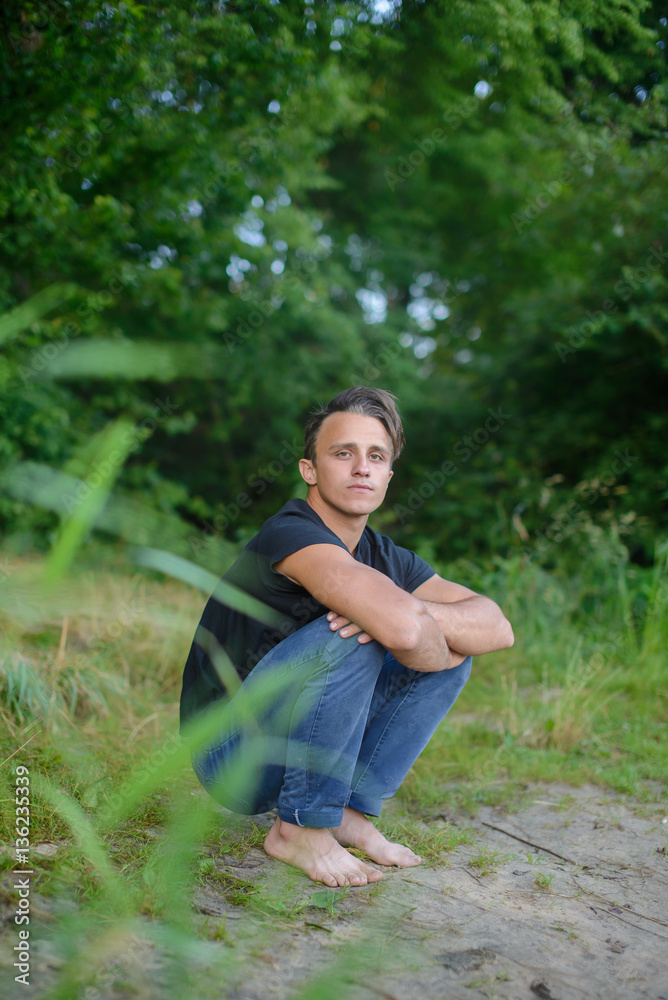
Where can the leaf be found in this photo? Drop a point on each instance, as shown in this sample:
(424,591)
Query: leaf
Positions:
(20,318)
(136,360)
(113,446)
(189,572)
(326,898)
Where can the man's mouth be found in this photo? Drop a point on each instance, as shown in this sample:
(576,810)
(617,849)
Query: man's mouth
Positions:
(360,488)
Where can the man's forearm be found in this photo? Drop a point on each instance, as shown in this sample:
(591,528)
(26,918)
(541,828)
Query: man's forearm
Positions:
(428,650)
(472,626)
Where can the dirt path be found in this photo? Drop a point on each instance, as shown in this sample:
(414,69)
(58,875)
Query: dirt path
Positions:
(573,906)
(598,929)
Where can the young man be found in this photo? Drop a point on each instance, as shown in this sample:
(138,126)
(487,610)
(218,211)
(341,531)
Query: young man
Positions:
(371,651)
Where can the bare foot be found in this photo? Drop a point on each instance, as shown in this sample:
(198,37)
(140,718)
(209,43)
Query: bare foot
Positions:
(358,831)
(317,854)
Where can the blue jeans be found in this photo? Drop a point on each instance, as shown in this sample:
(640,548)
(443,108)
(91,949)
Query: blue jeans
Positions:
(345,728)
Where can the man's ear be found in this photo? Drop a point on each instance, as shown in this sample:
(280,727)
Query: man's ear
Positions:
(307,470)
(390,475)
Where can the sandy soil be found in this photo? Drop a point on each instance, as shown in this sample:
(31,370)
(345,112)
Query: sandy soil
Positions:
(575,907)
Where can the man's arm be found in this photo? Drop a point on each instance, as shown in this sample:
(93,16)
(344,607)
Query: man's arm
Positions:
(398,620)
(472,624)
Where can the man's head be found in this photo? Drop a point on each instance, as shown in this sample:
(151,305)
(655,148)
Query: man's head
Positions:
(348,451)
(364,401)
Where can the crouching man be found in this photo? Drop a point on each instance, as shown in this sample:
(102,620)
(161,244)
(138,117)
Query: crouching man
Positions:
(372,650)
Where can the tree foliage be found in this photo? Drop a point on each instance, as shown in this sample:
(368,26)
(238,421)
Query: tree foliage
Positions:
(245,207)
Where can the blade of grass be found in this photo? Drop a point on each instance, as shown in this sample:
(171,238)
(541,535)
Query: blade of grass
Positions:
(20,318)
(189,572)
(114,888)
(114,444)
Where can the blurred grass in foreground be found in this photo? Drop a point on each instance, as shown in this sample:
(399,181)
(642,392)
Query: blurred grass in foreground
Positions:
(89,685)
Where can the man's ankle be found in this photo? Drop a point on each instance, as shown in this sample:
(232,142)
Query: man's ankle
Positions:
(291,831)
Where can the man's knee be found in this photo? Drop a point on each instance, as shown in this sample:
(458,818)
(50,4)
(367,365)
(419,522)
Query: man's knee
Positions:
(320,634)
(461,673)
(342,648)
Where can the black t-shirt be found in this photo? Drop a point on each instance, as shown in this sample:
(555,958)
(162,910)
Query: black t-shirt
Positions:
(246,640)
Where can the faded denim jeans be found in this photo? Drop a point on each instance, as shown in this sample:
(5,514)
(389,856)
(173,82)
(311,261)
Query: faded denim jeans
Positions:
(344,730)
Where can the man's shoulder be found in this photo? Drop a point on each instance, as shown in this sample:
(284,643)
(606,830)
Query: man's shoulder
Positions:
(261,542)
(405,567)
(295,526)
(378,542)
(295,513)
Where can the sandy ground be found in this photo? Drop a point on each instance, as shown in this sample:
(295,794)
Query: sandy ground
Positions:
(575,906)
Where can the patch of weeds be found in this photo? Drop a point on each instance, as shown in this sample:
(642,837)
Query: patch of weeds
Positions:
(240,893)
(7,862)
(236,838)
(566,802)
(236,890)
(487,984)
(429,841)
(275,907)
(487,860)
(570,931)
(544,881)
(507,794)
(327,899)
(75,876)
(217,931)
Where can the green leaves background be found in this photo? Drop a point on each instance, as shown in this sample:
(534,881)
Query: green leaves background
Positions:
(215,215)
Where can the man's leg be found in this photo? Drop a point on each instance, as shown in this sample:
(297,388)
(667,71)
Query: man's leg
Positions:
(303,746)
(406,710)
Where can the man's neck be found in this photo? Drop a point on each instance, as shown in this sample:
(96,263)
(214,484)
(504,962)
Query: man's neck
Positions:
(348,527)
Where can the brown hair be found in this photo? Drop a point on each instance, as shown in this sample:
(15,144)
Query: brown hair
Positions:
(366,401)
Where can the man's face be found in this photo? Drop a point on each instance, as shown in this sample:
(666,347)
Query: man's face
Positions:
(352,468)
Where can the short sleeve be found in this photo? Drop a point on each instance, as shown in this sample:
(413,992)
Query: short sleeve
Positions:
(415,570)
(291,533)
(404,567)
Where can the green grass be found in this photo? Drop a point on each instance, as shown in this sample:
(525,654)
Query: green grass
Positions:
(431,841)
(487,860)
(580,698)
(544,881)
(89,692)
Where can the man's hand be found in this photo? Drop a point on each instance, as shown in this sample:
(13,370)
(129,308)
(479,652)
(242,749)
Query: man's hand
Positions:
(472,624)
(367,599)
(347,627)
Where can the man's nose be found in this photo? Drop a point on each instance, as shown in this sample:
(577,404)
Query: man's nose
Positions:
(361,466)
